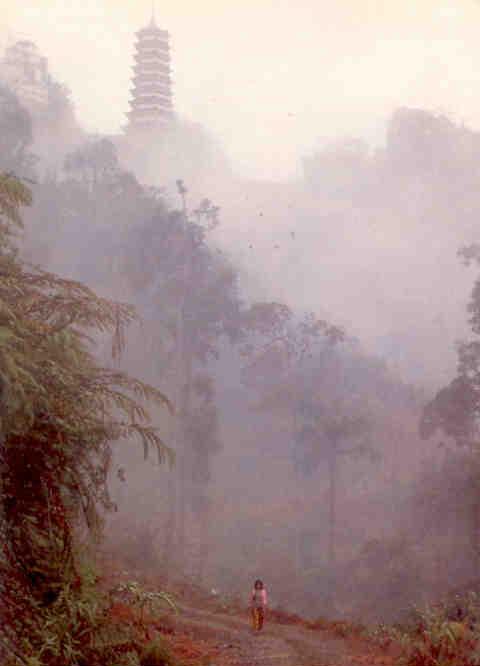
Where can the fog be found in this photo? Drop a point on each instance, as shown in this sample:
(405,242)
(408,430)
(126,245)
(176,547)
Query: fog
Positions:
(259,70)
(341,144)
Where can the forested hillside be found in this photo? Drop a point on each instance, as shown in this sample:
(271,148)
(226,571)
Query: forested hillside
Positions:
(206,379)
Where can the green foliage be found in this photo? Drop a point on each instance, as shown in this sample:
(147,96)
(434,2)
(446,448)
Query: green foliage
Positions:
(13,195)
(74,629)
(141,598)
(157,654)
(59,415)
(442,635)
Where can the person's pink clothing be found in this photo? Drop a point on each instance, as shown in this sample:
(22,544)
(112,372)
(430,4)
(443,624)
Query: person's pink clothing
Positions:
(259,598)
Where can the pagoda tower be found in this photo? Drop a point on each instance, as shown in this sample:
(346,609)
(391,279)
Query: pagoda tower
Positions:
(151,105)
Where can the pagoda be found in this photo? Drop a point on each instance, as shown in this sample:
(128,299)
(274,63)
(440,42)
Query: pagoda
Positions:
(151,105)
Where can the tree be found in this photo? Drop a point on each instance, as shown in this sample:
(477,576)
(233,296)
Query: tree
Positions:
(169,261)
(455,409)
(68,205)
(207,306)
(94,162)
(332,428)
(286,363)
(15,135)
(60,414)
(422,140)
(325,390)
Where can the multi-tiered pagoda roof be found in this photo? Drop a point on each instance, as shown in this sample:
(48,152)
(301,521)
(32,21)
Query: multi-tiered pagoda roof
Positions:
(151,103)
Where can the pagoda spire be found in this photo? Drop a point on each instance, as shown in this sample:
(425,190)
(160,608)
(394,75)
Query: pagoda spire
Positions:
(151,105)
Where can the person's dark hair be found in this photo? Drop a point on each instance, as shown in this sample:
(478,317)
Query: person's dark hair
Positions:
(258,584)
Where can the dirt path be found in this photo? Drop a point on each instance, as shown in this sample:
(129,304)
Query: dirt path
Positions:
(282,645)
(204,633)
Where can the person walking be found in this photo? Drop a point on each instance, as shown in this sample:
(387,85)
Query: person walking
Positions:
(259,603)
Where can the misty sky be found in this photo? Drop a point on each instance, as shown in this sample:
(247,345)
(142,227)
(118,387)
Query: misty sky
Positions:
(270,78)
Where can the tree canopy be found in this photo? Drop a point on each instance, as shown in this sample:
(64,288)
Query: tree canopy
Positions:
(60,413)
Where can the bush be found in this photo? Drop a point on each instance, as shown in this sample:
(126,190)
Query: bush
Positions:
(157,653)
(446,634)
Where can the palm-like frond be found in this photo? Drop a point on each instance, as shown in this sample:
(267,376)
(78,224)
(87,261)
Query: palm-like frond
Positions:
(60,412)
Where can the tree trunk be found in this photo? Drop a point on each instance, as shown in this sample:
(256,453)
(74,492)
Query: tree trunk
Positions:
(182,399)
(176,436)
(332,523)
(170,525)
(173,477)
(175,526)
(298,525)
(475,520)
(204,546)
(183,472)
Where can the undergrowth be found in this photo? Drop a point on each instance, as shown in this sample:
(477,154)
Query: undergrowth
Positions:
(444,634)
(157,653)
(80,629)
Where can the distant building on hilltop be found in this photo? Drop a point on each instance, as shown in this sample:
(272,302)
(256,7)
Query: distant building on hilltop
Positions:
(151,106)
(25,71)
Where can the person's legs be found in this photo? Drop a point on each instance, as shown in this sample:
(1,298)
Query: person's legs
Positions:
(261,616)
